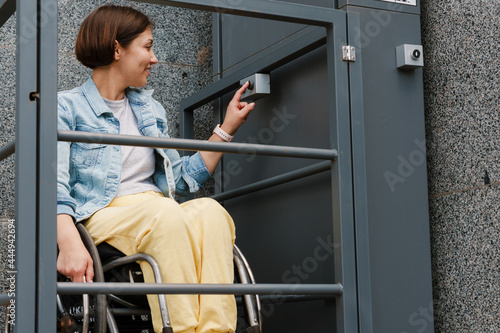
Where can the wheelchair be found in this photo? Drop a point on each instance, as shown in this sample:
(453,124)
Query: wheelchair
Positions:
(98,313)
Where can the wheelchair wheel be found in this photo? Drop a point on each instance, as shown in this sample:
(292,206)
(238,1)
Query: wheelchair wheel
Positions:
(74,311)
(250,320)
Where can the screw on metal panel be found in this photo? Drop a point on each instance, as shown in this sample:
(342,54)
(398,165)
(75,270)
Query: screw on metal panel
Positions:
(33,96)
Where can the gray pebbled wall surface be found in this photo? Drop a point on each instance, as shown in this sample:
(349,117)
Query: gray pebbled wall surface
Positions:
(462,97)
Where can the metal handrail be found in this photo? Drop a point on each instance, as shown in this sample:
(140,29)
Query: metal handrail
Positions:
(7,8)
(194,145)
(69,288)
(274,181)
(5,299)
(7,150)
(269,10)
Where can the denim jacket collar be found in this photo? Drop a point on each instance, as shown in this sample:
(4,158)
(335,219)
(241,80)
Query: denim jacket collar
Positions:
(134,95)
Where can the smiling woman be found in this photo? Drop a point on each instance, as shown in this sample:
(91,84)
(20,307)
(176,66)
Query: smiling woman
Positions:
(115,49)
(130,67)
(125,195)
(103,28)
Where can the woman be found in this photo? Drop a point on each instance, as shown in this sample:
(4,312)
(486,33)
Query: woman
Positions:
(124,195)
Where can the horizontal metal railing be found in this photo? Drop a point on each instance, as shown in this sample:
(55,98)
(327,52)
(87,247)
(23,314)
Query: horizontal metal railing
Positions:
(185,144)
(190,144)
(5,299)
(264,9)
(118,288)
(274,181)
(7,150)
(7,8)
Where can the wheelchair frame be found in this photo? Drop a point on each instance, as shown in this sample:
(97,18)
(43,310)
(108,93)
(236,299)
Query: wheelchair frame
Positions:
(104,316)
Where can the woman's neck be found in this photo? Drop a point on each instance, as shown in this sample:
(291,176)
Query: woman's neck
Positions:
(108,84)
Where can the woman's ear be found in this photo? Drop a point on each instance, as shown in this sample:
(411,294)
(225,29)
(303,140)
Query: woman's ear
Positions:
(118,51)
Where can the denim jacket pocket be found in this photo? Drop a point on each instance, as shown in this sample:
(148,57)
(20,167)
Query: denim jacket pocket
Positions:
(87,154)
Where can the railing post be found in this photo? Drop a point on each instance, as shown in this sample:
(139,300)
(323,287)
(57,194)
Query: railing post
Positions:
(26,167)
(359,178)
(342,193)
(36,140)
(47,166)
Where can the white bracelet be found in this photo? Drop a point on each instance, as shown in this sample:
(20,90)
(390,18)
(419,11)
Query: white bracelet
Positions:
(222,134)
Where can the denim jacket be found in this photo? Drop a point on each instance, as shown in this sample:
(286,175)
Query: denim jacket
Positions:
(88,174)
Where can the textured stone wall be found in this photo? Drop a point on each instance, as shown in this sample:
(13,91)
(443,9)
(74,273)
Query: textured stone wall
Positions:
(182,46)
(461,74)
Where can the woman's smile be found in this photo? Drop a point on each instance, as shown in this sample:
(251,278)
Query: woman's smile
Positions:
(138,55)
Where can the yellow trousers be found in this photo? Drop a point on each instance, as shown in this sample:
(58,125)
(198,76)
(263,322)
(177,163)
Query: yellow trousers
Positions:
(192,242)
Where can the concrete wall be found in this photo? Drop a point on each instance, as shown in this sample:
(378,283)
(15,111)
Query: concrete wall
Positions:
(462,117)
(462,100)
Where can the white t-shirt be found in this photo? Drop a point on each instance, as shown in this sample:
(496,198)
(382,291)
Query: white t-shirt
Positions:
(138,163)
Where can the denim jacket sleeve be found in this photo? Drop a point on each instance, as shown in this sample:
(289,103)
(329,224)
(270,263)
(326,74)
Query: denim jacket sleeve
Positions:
(65,203)
(193,175)
(189,172)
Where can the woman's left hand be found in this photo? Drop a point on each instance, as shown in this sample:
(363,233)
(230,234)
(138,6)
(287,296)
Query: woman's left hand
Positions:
(237,112)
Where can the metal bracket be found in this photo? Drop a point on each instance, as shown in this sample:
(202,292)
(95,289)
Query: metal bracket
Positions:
(348,53)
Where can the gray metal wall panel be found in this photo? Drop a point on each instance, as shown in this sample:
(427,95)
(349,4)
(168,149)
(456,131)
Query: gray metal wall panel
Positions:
(246,37)
(395,150)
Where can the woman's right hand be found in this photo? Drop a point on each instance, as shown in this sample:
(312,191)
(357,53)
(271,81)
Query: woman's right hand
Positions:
(74,260)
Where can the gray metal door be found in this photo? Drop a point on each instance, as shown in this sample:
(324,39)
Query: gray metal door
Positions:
(290,232)
(377,187)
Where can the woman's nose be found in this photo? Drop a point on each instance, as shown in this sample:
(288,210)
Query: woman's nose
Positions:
(154,60)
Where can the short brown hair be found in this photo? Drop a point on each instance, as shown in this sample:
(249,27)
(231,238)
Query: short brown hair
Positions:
(95,43)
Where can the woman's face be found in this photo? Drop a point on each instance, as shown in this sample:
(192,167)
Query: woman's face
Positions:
(134,61)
